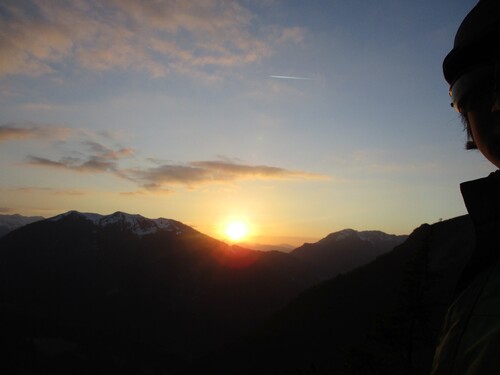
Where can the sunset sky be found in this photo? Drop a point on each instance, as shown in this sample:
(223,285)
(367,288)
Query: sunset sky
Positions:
(181,109)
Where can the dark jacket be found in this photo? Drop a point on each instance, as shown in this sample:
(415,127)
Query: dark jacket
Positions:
(470,340)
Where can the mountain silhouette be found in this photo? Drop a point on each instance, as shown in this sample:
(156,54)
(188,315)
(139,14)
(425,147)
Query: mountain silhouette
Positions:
(8,223)
(89,293)
(345,250)
(121,284)
(381,318)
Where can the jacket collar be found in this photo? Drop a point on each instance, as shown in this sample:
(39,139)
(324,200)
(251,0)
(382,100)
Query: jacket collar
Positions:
(482,199)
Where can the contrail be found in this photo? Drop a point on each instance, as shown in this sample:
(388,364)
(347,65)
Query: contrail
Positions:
(291,77)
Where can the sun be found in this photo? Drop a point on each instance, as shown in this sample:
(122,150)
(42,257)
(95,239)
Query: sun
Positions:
(236,231)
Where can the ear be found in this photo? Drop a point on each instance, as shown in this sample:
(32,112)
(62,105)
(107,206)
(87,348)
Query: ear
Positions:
(470,144)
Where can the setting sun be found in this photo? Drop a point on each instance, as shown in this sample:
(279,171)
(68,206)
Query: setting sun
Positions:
(236,231)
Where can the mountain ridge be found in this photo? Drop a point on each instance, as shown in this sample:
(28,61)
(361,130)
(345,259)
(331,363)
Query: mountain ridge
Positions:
(383,317)
(112,285)
(344,250)
(142,225)
(121,278)
(8,223)
(138,224)
(364,235)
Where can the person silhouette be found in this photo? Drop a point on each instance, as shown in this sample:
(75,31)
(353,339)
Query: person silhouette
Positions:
(470,338)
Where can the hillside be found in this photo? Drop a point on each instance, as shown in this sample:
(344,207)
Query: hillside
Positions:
(346,250)
(382,318)
(8,223)
(90,293)
(110,285)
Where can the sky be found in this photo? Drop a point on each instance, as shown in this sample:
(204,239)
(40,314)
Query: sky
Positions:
(187,110)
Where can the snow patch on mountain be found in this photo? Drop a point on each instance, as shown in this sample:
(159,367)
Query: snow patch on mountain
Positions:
(137,224)
(371,236)
(343,234)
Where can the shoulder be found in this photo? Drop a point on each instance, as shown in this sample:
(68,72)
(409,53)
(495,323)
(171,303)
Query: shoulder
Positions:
(471,336)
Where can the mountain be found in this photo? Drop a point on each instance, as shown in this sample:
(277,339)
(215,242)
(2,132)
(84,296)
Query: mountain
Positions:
(89,293)
(10,222)
(345,250)
(382,318)
(285,248)
(123,291)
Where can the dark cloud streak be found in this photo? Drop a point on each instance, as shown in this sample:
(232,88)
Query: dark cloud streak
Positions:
(241,170)
(92,165)
(201,172)
(102,159)
(12,131)
(156,178)
(107,153)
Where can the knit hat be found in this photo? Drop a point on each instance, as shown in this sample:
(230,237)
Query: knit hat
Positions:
(477,40)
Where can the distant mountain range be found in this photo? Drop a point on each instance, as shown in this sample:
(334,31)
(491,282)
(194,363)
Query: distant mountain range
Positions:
(82,291)
(343,251)
(286,248)
(125,278)
(381,318)
(8,223)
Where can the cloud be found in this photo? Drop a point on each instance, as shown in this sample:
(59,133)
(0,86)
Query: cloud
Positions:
(233,170)
(201,172)
(294,35)
(106,153)
(159,38)
(93,164)
(30,42)
(172,174)
(21,132)
(30,190)
(85,152)
(148,192)
(70,192)
(96,158)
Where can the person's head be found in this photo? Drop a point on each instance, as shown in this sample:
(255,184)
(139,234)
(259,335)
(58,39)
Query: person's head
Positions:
(472,69)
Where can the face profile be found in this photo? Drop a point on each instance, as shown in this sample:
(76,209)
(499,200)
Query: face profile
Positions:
(485,130)
(475,95)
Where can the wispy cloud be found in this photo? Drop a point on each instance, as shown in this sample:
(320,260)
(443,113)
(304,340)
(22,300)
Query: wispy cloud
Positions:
(99,159)
(104,152)
(46,190)
(93,164)
(147,192)
(14,131)
(202,172)
(159,178)
(291,35)
(156,37)
(172,174)
(234,170)
(88,152)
